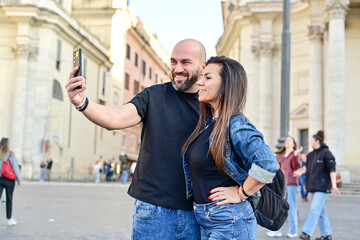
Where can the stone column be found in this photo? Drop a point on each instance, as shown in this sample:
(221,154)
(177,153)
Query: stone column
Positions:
(29,131)
(335,134)
(21,49)
(265,87)
(316,96)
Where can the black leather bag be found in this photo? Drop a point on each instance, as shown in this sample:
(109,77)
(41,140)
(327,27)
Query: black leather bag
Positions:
(270,204)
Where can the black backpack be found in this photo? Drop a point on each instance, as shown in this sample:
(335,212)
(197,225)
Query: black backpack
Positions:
(270,204)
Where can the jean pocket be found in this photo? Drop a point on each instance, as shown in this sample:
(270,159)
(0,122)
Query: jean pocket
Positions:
(221,214)
(146,210)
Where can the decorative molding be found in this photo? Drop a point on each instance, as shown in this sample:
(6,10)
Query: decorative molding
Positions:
(266,49)
(301,83)
(315,33)
(337,9)
(21,50)
(300,112)
(255,49)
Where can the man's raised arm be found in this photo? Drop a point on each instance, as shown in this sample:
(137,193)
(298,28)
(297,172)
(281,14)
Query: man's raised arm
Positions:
(107,117)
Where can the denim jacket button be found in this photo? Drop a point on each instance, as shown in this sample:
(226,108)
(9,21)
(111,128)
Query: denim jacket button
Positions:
(232,174)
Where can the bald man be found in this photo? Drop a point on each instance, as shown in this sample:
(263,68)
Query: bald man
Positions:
(169,113)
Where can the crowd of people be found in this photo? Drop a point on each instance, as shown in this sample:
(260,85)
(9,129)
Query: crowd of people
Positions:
(188,182)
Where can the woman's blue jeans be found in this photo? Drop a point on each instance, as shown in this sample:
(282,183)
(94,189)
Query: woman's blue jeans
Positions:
(42,175)
(304,192)
(226,222)
(318,215)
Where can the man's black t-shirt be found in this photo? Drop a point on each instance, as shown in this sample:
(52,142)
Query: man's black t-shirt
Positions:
(168,118)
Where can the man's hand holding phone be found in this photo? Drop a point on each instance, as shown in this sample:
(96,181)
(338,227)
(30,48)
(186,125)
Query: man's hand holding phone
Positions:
(75,86)
(75,94)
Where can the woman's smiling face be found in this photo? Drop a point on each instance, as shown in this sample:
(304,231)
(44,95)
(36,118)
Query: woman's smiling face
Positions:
(209,84)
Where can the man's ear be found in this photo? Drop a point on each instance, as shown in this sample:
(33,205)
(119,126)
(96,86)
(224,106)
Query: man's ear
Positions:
(202,67)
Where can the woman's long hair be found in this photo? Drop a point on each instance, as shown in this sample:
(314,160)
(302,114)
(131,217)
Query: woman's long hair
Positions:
(232,98)
(4,147)
(282,150)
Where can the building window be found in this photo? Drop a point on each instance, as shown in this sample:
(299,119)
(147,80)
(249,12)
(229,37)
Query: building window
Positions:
(128,51)
(103,90)
(124,140)
(136,87)
(304,139)
(143,68)
(156,78)
(57,90)
(116,98)
(150,72)
(58,55)
(132,142)
(136,60)
(127,81)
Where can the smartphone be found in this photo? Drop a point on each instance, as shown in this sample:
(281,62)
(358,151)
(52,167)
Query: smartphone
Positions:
(77,62)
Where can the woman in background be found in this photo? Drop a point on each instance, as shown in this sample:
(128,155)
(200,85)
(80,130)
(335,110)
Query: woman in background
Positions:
(9,185)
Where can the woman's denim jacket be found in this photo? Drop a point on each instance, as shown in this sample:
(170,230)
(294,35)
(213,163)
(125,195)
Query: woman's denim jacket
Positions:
(248,142)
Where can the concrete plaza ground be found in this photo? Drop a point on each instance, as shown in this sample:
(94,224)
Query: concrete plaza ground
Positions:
(86,211)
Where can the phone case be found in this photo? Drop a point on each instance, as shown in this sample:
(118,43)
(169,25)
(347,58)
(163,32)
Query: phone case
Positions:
(77,61)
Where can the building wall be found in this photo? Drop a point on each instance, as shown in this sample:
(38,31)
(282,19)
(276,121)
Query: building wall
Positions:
(31,112)
(243,33)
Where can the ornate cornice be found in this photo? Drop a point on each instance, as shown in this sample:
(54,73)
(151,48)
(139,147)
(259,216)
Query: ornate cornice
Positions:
(315,33)
(337,9)
(21,50)
(266,49)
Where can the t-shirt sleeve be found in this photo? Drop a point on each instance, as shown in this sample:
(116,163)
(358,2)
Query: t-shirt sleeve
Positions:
(141,102)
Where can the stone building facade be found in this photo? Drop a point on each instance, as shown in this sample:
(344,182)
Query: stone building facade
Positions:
(324,86)
(36,45)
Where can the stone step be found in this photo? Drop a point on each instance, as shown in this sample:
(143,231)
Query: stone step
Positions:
(350,189)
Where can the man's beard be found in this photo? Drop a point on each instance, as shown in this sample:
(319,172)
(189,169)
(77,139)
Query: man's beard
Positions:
(189,82)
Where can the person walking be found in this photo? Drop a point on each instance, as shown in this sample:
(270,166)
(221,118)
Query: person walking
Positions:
(302,180)
(213,176)
(97,170)
(168,113)
(288,158)
(320,180)
(9,185)
(42,171)
(49,163)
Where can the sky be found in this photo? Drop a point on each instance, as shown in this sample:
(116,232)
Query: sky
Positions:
(174,20)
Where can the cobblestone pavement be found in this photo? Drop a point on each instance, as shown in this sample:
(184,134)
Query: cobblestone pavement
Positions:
(86,211)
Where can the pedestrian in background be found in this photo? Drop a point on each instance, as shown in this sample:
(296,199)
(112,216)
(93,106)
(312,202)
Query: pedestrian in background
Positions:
(320,180)
(97,171)
(42,171)
(289,159)
(91,171)
(302,180)
(213,176)
(9,185)
(49,163)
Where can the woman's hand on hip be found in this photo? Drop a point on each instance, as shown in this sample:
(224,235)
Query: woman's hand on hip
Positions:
(227,194)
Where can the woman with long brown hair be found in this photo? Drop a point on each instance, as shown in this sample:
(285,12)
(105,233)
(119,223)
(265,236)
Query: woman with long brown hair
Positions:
(9,185)
(223,134)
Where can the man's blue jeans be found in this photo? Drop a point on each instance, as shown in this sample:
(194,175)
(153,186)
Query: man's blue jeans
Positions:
(318,215)
(226,222)
(152,222)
